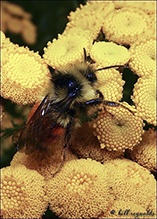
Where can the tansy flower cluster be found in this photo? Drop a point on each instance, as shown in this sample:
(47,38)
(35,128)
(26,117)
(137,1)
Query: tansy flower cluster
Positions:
(94,181)
(91,191)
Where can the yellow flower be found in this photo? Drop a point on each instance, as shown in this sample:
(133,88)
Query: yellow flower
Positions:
(25,75)
(109,53)
(145,152)
(86,145)
(144,97)
(79,32)
(118,128)
(80,190)
(22,193)
(121,25)
(5,44)
(111,84)
(84,25)
(101,7)
(143,57)
(65,50)
(132,183)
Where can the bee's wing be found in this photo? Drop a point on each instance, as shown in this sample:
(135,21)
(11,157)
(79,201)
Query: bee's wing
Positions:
(37,129)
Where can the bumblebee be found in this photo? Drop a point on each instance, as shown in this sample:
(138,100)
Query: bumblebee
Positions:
(73,93)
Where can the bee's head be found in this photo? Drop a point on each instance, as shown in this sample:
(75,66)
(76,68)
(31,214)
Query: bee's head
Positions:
(78,81)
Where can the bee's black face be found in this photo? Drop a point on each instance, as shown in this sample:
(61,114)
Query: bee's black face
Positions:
(68,83)
(73,88)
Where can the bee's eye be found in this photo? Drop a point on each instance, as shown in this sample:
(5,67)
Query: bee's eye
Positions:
(91,77)
(65,82)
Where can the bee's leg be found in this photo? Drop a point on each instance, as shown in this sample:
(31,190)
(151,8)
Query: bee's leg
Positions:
(62,163)
(111,103)
(93,102)
(99,101)
(67,137)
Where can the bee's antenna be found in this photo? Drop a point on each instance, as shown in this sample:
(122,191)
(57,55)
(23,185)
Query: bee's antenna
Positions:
(85,55)
(111,103)
(112,66)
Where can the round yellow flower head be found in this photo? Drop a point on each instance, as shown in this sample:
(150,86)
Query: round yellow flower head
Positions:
(84,10)
(143,57)
(78,30)
(80,190)
(109,53)
(25,75)
(121,25)
(118,128)
(101,7)
(144,97)
(22,193)
(84,25)
(111,84)
(5,43)
(65,50)
(88,146)
(132,183)
(145,152)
